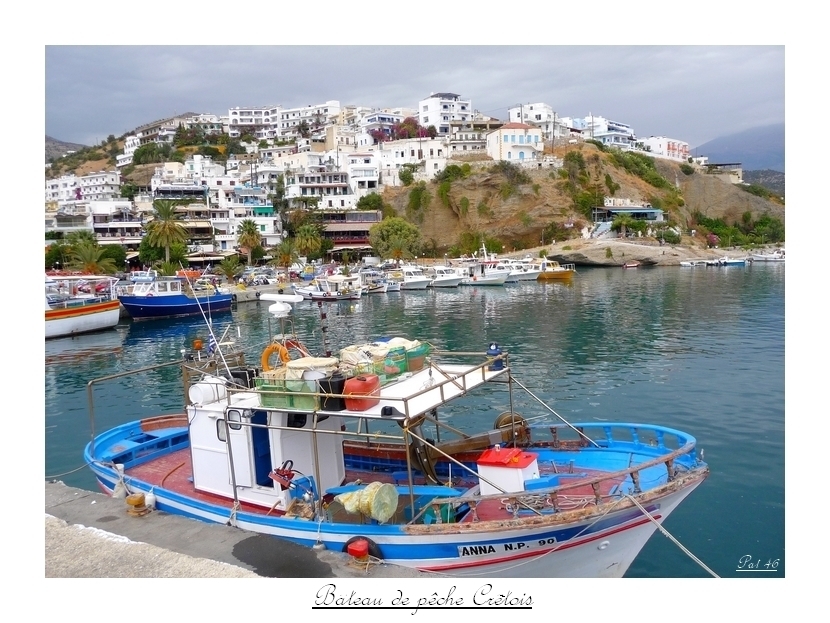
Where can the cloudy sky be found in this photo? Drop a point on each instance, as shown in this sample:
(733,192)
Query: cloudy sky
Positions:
(692,93)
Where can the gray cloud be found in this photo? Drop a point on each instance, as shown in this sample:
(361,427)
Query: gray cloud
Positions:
(692,93)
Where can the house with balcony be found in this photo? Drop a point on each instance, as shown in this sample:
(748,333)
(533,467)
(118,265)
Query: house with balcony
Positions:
(518,143)
(260,122)
(116,222)
(540,115)
(363,172)
(470,137)
(100,186)
(428,155)
(131,143)
(440,109)
(62,189)
(316,117)
(664,147)
(607,132)
(348,230)
(603,216)
(319,179)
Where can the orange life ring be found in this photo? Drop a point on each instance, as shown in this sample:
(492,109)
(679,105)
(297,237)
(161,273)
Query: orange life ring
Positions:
(282,349)
(149,294)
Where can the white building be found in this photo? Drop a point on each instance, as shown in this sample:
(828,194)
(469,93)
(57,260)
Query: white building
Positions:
(116,222)
(319,179)
(62,189)
(439,109)
(516,142)
(100,186)
(315,117)
(260,122)
(607,132)
(665,147)
(364,172)
(432,152)
(540,115)
(131,143)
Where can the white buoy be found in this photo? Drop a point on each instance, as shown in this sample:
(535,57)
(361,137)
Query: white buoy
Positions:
(150,500)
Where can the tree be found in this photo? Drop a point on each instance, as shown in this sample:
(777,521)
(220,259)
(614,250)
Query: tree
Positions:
(395,236)
(80,237)
(57,254)
(230,268)
(249,236)
(147,253)
(165,228)
(284,254)
(372,201)
(116,253)
(89,258)
(622,223)
(303,129)
(308,240)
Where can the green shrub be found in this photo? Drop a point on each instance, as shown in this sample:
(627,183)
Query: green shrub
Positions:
(687,169)
(465,206)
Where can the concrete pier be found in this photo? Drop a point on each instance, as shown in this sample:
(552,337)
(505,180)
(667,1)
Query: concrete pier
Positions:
(91,535)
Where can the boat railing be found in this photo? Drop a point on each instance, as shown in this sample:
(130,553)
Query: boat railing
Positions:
(674,461)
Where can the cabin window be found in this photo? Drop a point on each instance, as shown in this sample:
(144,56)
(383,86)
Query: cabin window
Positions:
(221,431)
(234,417)
(296,420)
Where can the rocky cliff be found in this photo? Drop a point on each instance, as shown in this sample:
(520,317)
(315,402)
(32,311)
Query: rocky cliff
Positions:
(478,203)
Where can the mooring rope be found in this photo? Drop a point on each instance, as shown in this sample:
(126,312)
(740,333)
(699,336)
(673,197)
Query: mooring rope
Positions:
(670,537)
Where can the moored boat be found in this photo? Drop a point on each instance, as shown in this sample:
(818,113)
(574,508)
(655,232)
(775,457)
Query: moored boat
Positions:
(443,277)
(166,297)
(312,454)
(80,304)
(331,288)
(551,269)
(775,256)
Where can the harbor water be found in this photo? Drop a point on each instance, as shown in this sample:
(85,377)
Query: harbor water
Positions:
(697,349)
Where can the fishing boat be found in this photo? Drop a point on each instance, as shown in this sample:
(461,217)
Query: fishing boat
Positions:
(143,276)
(80,304)
(326,455)
(693,263)
(373,281)
(523,270)
(631,264)
(331,288)
(551,269)
(167,297)
(443,277)
(412,277)
(775,256)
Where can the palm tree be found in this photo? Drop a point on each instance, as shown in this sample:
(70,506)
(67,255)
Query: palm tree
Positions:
(165,229)
(307,240)
(249,237)
(88,258)
(285,254)
(399,250)
(230,268)
(622,222)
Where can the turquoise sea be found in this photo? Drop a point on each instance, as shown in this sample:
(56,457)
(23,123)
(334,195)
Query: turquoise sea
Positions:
(698,349)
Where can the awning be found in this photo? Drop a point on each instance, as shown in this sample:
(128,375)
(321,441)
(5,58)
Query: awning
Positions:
(132,255)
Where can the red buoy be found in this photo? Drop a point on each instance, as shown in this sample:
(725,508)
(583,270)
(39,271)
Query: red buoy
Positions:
(358,548)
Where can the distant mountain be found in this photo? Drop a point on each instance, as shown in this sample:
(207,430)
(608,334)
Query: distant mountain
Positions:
(756,149)
(56,149)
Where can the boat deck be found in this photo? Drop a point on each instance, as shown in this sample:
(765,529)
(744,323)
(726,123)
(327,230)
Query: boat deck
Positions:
(174,472)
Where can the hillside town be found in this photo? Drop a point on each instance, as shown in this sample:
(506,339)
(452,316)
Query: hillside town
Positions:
(324,156)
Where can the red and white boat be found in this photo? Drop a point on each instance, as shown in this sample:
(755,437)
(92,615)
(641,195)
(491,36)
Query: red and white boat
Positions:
(78,304)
